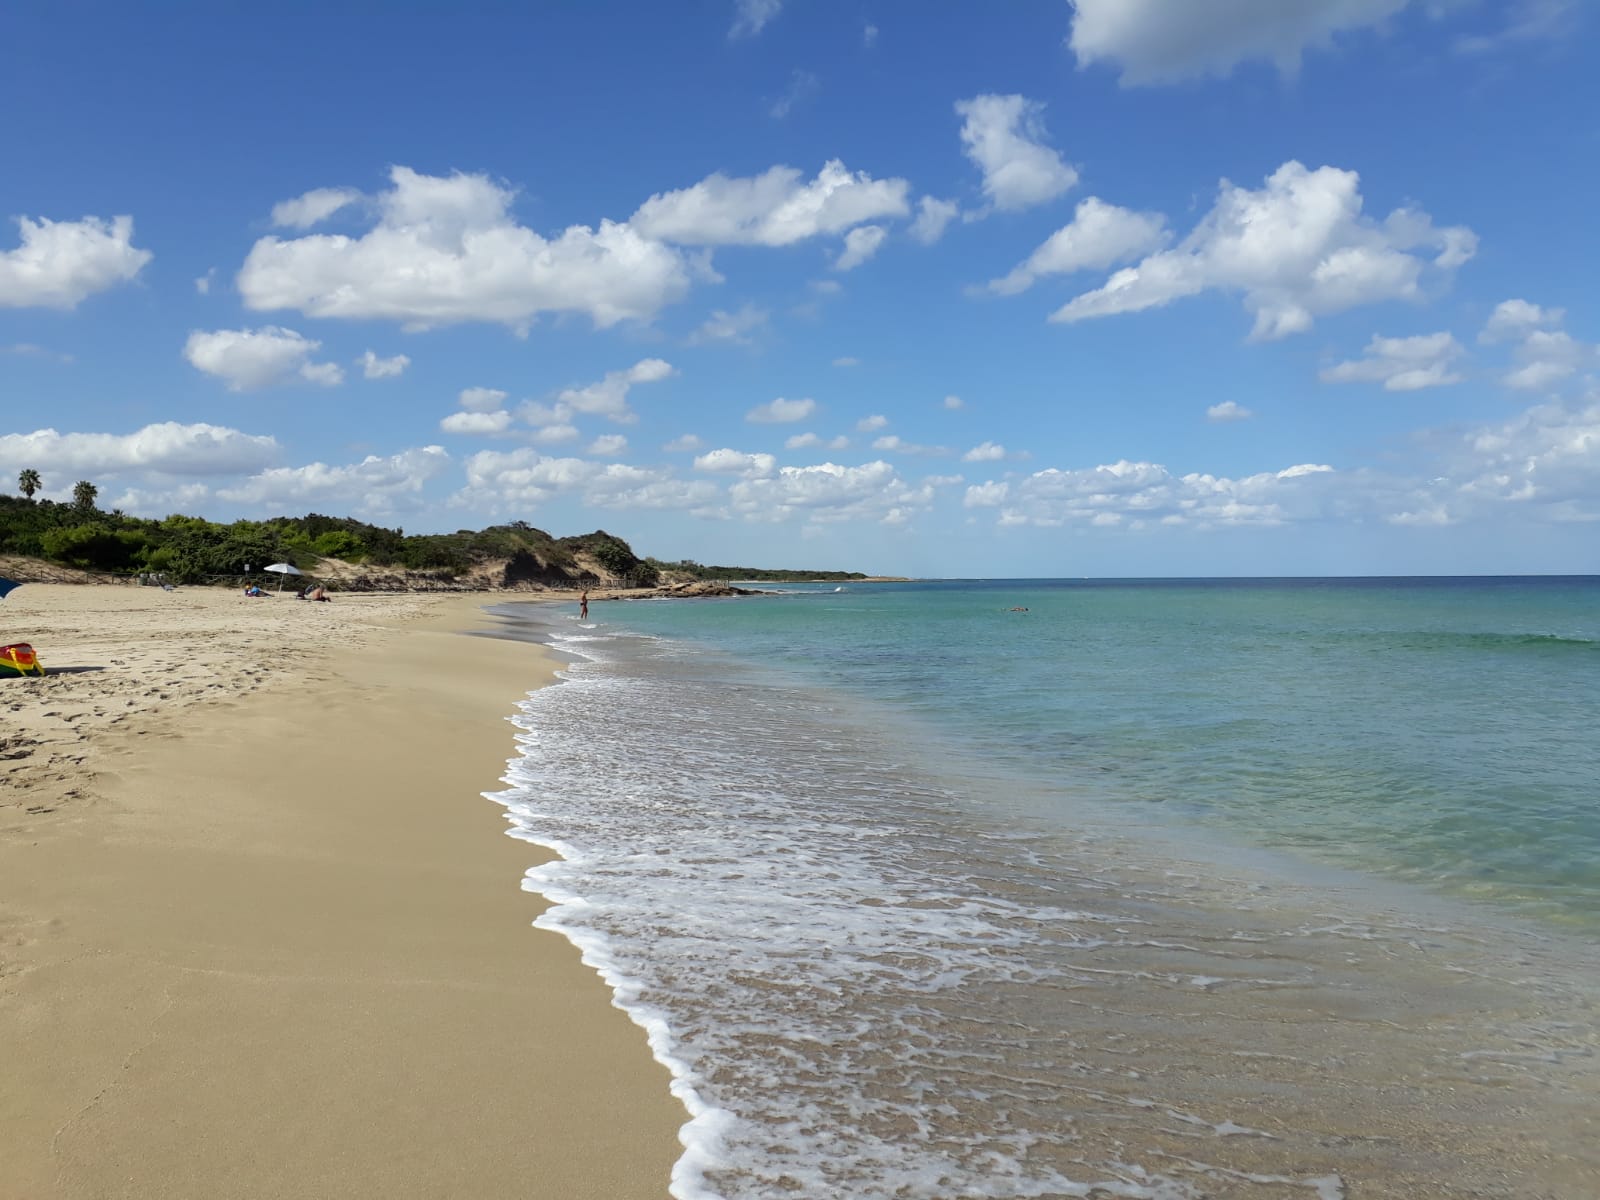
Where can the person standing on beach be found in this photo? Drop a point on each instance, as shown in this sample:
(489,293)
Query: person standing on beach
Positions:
(583,605)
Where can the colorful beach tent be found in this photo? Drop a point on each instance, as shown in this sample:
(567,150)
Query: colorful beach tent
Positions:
(19,659)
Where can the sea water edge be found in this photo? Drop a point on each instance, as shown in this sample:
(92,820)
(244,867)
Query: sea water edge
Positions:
(972,1147)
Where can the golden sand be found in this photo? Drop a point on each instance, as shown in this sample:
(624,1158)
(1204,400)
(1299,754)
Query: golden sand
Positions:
(260,934)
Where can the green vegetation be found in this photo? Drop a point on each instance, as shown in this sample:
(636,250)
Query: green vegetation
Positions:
(693,570)
(191,549)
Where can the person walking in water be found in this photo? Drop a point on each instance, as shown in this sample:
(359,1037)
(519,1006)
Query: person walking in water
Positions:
(583,605)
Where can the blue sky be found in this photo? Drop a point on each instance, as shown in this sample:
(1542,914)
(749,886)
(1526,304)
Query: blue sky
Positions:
(1148,287)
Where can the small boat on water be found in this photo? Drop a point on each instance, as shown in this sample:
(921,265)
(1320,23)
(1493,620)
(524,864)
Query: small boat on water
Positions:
(19,659)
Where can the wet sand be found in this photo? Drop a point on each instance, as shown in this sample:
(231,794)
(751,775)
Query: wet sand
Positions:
(260,935)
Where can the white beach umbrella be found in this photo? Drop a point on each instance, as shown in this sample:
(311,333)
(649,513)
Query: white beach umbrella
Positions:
(282,569)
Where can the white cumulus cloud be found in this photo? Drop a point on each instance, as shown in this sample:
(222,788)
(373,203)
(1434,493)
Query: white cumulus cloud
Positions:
(736,462)
(375,486)
(933,215)
(687,442)
(312,208)
(480,399)
(873,423)
(1513,319)
(860,244)
(781,411)
(476,422)
(1548,356)
(1144,493)
(257,358)
(828,492)
(1100,235)
(447,250)
(1295,249)
(609,397)
(735,327)
(1005,137)
(1405,364)
(1159,41)
(1228,410)
(58,264)
(954,402)
(775,208)
(521,479)
(168,448)
(608,445)
(984,452)
(373,367)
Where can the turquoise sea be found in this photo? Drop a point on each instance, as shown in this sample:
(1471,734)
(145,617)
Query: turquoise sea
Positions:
(1144,888)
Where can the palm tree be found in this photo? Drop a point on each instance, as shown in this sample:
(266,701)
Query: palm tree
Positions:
(84,493)
(28,482)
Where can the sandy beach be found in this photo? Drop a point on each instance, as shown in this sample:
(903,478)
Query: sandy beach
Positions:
(260,934)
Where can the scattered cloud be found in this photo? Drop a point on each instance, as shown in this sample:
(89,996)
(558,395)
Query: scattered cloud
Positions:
(471,422)
(736,462)
(869,36)
(847,360)
(933,215)
(1545,354)
(985,452)
(1295,249)
(31,350)
(750,17)
(481,399)
(1099,236)
(313,207)
(894,444)
(805,441)
(1513,319)
(1405,364)
(203,283)
(954,402)
(446,250)
(775,208)
(1547,357)
(165,449)
(521,479)
(860,244)
(374,486)
(1155,41)
(872,424)
(735,327)
(827,493)
(1228,410)
(256,358)
(1137,494)
(554,435)
(1005,137)
(781,411)
(59,264)
(609,397)
(608,445)
(685,443)
(373,367)
(802,86)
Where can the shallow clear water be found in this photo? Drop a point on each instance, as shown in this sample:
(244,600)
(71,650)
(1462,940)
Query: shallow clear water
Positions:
(1442,731)
(921,897)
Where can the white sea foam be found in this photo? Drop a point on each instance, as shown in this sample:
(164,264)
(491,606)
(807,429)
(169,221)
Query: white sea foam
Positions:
(861,987)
